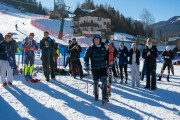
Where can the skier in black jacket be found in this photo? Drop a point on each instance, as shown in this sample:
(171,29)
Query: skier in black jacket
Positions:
(74,52)
(47,46)
(98,55)
(167,55)
(150,54)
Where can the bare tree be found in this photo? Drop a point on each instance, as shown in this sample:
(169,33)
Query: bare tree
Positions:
(147,17)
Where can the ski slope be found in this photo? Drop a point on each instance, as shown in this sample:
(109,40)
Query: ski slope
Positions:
(66,98)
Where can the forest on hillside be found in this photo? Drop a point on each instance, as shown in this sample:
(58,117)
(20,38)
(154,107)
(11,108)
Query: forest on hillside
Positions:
(27,5)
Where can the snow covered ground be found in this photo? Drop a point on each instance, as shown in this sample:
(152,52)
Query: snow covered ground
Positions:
(66,98)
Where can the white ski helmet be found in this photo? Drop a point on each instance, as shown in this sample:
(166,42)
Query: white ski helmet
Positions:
(168,48)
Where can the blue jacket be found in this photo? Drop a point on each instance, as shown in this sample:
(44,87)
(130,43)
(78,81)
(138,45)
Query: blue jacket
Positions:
(123,59)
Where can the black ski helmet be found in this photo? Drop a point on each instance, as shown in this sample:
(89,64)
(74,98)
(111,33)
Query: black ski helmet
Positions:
(97,36)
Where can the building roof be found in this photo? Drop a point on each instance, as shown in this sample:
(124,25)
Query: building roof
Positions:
(163,47)
(99,12)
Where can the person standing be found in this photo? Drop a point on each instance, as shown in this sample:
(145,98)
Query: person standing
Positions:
(123,61)
(14,49)
(6,68)
(112,52)
(134,62)
(167,55)
(97,53)
(150,54)
(74,52)
(68,57)
(29,46)
(47,46)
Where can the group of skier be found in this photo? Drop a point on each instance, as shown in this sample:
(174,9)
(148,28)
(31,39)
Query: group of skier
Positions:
(101,55)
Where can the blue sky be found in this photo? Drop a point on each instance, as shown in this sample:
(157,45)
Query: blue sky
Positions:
(161,9)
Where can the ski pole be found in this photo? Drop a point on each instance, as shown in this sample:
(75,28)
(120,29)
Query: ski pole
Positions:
(87,79)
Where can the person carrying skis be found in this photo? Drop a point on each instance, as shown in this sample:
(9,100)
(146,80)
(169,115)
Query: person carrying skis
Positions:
(74,52)
(29,45)
(6,60)
(167,55)
(14,49)
(111,54)
(150,54)
(134,62)
(47,46)
(98,55)
(123,61)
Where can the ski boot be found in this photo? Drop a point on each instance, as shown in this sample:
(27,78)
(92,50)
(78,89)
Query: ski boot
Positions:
(105,101)
(121,82)
(159,78)
(96,97)
(126,82)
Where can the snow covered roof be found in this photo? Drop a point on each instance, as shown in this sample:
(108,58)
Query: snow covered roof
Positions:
(173,38)
(163,47)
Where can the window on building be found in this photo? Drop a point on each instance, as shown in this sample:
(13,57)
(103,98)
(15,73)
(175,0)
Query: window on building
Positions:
(100,26)
(84,21)
(99,19)
(91,21)
(92,29)
(104,23)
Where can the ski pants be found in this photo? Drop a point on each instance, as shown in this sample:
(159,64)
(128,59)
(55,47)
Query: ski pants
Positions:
(151,71)
(143,72)
(29,59)
(102,75)
(135,73)
(76,63)
(125,71)
(164,67)
(46,65)
(6,67)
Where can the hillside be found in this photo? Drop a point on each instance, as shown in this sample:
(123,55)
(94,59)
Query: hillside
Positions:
(169,28)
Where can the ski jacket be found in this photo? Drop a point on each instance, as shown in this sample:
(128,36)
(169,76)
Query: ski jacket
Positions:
(167,56)
(73,52)
(29,44)
(137,52)
(5,47)
(111,50)
(51,47)
(14,46)
(123,59)
(97,55)
(150,61)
